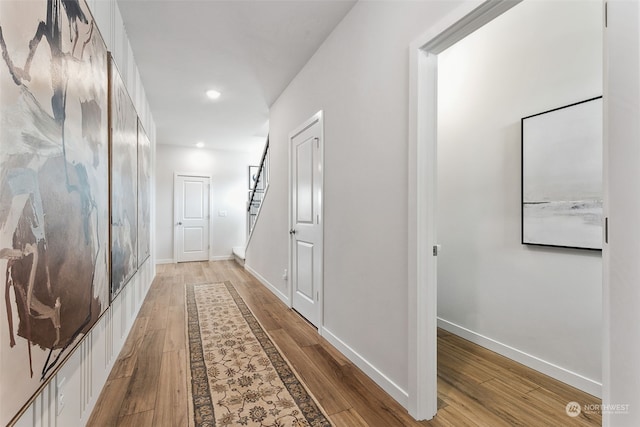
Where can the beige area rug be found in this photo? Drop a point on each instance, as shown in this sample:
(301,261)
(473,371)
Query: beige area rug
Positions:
(238,376)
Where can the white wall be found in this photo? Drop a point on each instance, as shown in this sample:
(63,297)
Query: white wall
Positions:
(229,181)
(359,77)
(545,303)
(85,372)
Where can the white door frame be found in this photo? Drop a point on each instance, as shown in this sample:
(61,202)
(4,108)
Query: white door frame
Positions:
(317,117)
(422,188)
(175,211)
(622,208)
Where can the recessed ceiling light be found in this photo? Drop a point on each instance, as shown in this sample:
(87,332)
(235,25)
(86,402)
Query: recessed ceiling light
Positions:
(200,144)
(213,94)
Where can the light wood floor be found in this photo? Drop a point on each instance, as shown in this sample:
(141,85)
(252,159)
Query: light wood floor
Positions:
(476,387)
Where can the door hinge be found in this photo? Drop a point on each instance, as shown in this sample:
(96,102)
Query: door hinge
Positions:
(606,14)
(317,142)
(436,250)
(606,230)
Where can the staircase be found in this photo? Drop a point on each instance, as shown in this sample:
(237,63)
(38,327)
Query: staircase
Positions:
(260,184)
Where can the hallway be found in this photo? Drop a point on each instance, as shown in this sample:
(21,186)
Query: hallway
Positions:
(147,386)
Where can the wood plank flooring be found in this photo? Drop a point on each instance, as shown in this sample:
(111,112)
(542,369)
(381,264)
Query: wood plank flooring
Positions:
(476,387)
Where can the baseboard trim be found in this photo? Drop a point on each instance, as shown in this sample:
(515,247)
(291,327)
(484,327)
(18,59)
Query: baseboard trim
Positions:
(238,255)
(213,258)
(368,368)
(554,371)
(221,258)
(239,252)
(268,285)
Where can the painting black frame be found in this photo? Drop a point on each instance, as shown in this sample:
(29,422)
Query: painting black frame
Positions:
(590,125)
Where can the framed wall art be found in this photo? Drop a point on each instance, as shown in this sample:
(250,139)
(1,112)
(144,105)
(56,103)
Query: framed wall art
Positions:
(562,176)
(144,195)
(54,190)
(124,184)
(253,176)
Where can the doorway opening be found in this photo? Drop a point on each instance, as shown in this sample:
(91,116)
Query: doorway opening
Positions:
(423,190)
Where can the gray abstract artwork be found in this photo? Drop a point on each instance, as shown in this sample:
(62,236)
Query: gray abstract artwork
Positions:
(54,241)
(144,195)
(124,181)
(562,176)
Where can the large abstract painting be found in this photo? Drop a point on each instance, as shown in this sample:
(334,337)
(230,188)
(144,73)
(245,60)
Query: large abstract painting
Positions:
(144,195)
(562,176)
(124,182)
(53,189)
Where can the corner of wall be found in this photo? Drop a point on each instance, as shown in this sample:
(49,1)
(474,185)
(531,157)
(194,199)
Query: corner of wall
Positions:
(394,390)
(284,298)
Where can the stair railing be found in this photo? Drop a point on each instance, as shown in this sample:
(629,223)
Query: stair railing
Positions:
(260,184)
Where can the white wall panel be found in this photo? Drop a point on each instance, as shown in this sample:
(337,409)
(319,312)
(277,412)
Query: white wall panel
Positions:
(118,41)
(103,14)
(131,73)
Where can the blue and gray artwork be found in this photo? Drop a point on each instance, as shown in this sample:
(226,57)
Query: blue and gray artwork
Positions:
(124,184)
(144,195)
(54,241)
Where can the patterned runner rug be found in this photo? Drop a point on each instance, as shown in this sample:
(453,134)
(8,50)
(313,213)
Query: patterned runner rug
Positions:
(238,376)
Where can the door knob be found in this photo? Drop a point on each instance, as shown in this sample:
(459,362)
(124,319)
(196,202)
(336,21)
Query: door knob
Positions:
(179,223)
(292,231)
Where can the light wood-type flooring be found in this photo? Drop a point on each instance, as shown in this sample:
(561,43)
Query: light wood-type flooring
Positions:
(476,387)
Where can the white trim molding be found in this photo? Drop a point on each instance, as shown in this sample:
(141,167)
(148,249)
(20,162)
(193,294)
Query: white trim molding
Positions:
(566,376)
(221,258)
(367,367)
(277,292)
(211,258)
(422,191)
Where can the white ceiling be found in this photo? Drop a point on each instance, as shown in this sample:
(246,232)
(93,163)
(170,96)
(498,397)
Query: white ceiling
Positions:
(247,50)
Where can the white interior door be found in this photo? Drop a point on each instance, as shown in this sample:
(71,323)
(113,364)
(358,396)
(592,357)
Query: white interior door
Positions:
(192,218)
(306,220)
